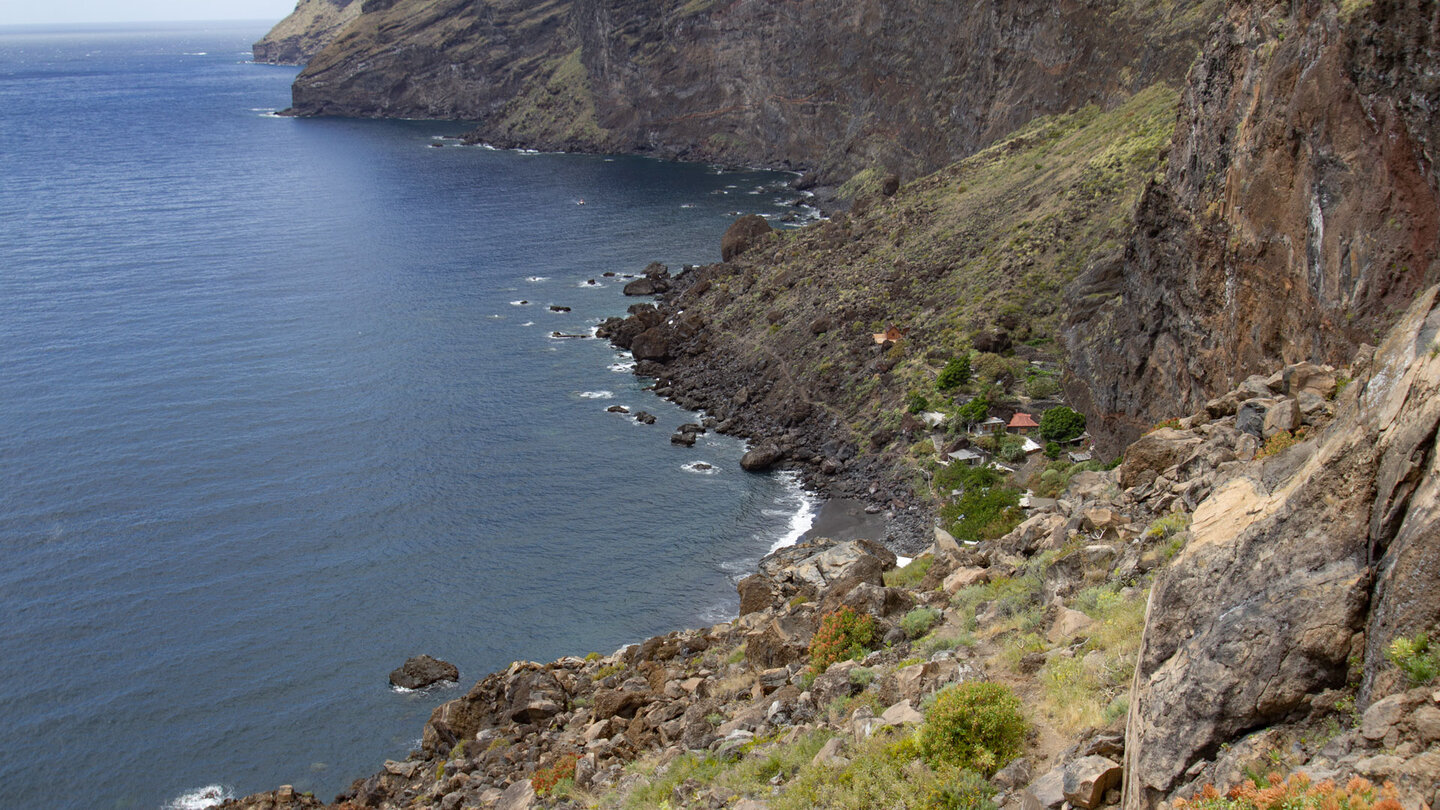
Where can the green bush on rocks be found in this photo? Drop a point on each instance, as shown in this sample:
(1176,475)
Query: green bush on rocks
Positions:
(975,725)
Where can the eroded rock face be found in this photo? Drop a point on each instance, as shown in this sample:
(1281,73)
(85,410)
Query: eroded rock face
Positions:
(1298,215)
(792,85)
(309,28)
(1284,575)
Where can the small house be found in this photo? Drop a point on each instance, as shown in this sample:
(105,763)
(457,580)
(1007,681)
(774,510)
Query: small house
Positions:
(967,456)
(1022,423)
(1031,446)
(890,335)
(933,419)
(989,427)
(1083,455)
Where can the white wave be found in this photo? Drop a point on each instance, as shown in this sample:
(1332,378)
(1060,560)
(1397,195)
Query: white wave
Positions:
(438,685)
(528,323)
(804,508)
(589,282)
(521,303)
(196,53)
(701,467)
(597,394)
(623,367)
(201,798)
(687,205)
(536,279)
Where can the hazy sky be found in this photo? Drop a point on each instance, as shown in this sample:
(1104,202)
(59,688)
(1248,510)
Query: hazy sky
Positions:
(63,11)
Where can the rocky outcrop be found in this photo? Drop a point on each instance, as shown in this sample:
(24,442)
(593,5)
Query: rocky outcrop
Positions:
(908,86)
(1297,217)
(1296,572)
(422,671)
(309,28)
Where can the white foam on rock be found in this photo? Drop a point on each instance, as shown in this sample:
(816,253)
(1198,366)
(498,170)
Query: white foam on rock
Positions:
(201,798)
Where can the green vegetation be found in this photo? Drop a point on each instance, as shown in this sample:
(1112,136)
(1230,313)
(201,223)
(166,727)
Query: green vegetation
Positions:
(910,575)
(955,374)
(1061,424)
(886,766)
(843,635)
(984,511)
(919,621)
(976,725)
(1416,658)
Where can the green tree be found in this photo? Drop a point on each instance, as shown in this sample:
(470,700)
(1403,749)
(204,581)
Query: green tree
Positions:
(955,374)
(1061,424)
(974,411)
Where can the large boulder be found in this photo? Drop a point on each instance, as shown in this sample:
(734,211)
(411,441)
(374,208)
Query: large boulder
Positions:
(1286,574)
(422,671)
(1156,452)
(652,344)
(761,457)
(744,233)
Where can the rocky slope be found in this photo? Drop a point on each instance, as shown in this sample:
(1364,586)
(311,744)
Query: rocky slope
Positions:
(1231,587)
(308,29)
(776,342)
(903,86)
(1298,214)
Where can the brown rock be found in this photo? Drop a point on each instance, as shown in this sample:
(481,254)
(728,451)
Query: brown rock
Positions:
(744,233)
(1088,778)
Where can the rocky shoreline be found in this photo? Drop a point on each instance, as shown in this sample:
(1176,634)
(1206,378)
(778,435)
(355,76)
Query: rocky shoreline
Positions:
(1091,587)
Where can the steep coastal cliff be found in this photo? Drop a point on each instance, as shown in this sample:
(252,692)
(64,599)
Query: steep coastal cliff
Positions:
(905,86)
(308,29)
(1298,214)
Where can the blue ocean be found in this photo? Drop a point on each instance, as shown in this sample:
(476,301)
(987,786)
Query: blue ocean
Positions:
(281,405)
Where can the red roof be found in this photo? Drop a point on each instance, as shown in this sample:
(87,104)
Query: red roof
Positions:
(1023,420)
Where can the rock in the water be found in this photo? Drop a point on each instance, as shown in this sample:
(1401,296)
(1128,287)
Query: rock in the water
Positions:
(644,417)
(742,235)
(422,671)
(761,458)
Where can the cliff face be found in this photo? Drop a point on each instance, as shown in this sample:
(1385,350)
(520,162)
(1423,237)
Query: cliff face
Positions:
(310,27)
(907,86)
(1297,216)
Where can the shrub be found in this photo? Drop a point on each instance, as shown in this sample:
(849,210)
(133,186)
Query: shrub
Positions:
(976,725)
(862,676)
(1295,793)
(1041,386)
(955,374)
(911,574)
(843,635)
(1052,450)
(915,402)
(545,779)
(1061,424)
(883,772)
(1012,449)
(1280,442)
(919,621)
(1416,658)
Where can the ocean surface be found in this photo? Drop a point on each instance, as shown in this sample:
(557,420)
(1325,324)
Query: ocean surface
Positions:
(280,407)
